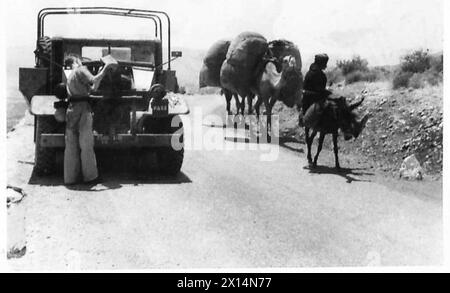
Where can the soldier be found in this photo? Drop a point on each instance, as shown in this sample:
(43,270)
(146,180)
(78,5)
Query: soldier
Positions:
(79,152)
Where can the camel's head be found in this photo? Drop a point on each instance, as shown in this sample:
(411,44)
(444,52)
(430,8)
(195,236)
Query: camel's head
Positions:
(283,48)
(288,62)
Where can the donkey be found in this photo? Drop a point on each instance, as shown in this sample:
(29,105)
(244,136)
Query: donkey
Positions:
(335,114)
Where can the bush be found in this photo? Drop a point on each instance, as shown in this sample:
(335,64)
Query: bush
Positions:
(335,75)
(433,78)
(355,64)
(419,69)
(382,73)
(356,76)
(437,63)
(401,79)
(417,62)
(416,81)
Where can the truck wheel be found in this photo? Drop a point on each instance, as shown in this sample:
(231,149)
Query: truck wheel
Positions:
(169,159)
(44,158)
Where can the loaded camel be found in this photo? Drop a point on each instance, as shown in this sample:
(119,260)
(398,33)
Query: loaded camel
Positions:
(272,85)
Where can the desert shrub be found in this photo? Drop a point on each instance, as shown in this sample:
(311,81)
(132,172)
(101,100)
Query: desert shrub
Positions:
(418,69)
(382,72)
(417,62)
(433,77)
(401,79)
(416,81)
(437,63)
(356,69)
(356,76)
(334,75)
(355,64)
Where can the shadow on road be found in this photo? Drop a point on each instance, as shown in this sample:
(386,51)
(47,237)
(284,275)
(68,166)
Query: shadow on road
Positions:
(111,180)
(287,142)
(283,142)
(343,172)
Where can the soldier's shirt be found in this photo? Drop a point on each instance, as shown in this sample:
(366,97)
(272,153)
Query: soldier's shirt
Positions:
(79,82)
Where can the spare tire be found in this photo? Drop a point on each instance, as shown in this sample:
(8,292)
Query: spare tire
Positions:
(43,52)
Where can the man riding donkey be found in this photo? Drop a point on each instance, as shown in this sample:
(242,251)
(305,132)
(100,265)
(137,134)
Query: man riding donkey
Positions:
(314,87)
(325,115)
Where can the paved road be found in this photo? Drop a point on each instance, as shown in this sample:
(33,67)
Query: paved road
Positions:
(228,208)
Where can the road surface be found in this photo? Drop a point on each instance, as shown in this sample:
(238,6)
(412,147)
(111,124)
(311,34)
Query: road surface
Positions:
(227,209)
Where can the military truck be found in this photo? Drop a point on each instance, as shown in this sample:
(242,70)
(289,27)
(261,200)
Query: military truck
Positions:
(136,108)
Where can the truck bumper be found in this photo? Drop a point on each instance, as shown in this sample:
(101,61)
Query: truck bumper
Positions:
(118,141)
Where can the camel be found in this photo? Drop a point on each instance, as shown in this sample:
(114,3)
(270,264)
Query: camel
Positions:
(272,86)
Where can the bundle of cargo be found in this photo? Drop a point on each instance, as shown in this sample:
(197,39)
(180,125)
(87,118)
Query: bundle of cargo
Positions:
(245,53)
(210,72)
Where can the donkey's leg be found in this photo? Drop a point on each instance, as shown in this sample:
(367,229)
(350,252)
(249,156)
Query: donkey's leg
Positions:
(309,144)
(335,149)
(319,148)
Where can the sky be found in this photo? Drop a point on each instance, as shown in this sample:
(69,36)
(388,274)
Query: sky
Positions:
(378,30)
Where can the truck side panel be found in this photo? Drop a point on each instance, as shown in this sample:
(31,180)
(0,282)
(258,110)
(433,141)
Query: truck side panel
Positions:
(32,81)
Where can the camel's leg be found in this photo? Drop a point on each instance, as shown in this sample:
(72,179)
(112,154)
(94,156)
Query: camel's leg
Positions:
(319,148)
(269,107)
(250,102)
(257,110)
(257,107)
(243,105)
(228,97)
(335,149)
(238,104)
(268,119)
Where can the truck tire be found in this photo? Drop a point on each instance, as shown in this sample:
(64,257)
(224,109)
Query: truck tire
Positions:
(44,158)
(169,160)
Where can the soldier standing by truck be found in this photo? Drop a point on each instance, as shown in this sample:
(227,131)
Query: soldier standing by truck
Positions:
(79,152)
